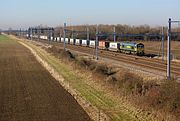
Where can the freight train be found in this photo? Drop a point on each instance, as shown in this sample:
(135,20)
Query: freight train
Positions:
(123,47)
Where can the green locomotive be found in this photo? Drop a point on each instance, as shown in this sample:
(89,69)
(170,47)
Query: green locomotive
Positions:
(132,47)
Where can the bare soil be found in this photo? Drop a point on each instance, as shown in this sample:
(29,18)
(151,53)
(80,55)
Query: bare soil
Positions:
(29,93)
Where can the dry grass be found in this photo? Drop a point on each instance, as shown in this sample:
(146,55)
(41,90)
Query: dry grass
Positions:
(149,95)
(163,98)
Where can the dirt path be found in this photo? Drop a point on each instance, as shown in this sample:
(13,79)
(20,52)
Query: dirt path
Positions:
(29,93)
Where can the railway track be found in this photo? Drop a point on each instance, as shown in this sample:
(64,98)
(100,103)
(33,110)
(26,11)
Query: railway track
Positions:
(147,63)
(151,61)
(142,63)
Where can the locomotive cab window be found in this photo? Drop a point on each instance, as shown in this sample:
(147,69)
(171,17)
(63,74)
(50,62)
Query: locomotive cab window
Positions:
(140,46)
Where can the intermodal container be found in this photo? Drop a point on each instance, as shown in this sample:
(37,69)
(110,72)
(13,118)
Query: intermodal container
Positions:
(114,46)
(85,43)
(103,44)
(78,42)
(72,41)
(92,43)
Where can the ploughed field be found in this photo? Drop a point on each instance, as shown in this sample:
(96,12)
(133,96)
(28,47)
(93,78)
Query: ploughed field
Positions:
(28,92)
(154,47)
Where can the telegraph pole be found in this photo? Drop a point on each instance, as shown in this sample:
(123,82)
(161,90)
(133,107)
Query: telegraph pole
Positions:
(72,32)
(49,35)
(169,51)
(87,33)
(39,31)
(162,43)
(114,34)
(20,33)
(97,32)
(169,48)
(31,33)
(59,34)
(64,36)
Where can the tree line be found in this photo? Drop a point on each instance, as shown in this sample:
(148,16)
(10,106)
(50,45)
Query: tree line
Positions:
(80,31)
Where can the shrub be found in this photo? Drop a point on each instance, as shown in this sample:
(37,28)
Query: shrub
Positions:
(85,63)
(67,55)
(104,70)
(165,97)
(126,81)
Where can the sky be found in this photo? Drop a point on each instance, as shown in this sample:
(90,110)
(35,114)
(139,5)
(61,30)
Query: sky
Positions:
(25,13)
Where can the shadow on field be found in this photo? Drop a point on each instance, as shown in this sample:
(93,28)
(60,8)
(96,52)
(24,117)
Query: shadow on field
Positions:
(150,55)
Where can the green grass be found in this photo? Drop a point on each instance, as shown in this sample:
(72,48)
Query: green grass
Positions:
(6,40)
(97,98)
(3,38)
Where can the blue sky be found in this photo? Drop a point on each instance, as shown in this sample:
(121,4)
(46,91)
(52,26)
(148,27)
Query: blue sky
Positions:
(25,13)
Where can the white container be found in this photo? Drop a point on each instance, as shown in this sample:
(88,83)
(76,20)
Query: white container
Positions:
(72,41)
(55,39)
(62,39)
(114,46)
(67,40)
(78,42)
(84,43)
(92,43)
(58,39)
(41,37)
(45,38)
(35,36)
(51,38)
